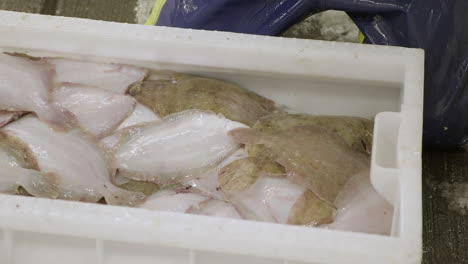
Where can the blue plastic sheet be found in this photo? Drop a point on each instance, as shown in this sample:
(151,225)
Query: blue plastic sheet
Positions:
(438,26)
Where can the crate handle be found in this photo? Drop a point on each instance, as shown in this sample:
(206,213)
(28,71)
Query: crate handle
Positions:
(385,170)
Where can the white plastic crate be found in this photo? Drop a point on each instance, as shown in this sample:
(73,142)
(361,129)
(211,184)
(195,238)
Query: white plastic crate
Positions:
(308,76)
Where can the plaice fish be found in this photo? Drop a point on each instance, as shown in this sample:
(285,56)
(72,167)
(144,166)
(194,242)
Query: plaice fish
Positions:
(113,77)
(260,191)
(18,169)
(182,92)
(207,183)
(276,199)
(312,156)
(27,85)
(98,111)
(77,162)
(172,201)
(140,114)
(7,117)
(178,148)
(361,208)
(214,207)
(356,132)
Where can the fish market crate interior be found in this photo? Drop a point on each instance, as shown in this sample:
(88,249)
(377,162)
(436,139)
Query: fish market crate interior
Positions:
(385,83)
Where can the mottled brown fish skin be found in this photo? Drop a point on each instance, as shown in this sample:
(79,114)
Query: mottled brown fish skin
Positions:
(19,150)
(310,210)
(184,92)
(146,188)
(356,132)
(312,156)
(240,174)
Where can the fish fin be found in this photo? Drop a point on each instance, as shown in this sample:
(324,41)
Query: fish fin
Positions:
(244,135)
(58,118)
(43,185)
(137,176)
(163,179)
(34,182)
(117,196)
(310,210)
(147,188)
(238,175)
(23,55)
